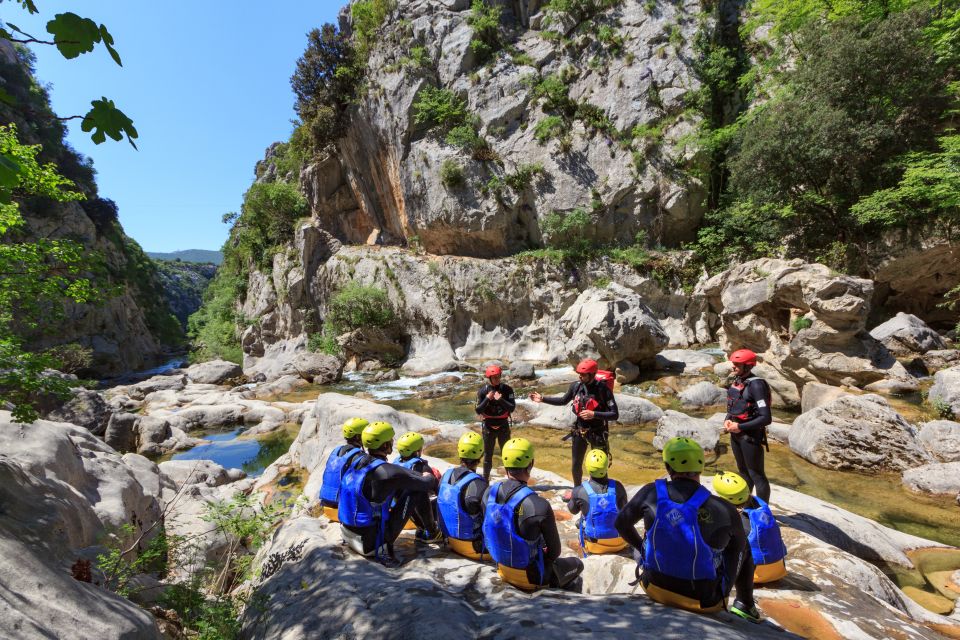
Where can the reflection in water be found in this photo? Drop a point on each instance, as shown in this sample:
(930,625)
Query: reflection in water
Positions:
(230,451)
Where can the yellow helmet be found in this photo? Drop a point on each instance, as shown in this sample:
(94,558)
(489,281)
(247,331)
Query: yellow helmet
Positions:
(597,463)
(376,435)
(353,427)
(731,487)
(470,446)
(409,443)
(517,453)
(683,455)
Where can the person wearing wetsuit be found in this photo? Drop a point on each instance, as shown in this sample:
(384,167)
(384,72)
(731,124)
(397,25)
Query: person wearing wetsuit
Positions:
(495,403)
(377,498)
(423,516)
(597,532)
(594,407)
(520,531)
(460,500)
(337,462)
(748,415)
(694,542)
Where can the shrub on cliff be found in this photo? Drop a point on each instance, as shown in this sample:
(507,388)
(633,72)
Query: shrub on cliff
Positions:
(357,306)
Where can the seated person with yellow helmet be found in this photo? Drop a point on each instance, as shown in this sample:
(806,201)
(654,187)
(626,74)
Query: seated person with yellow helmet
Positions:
(765,562)
(460,500)
(337,463)
(519,529)
(423,515)
(693,543)
(377,498)
(598,500)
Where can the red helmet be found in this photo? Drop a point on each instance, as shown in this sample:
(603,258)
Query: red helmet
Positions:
(492,370)
(587,366)
(743,356)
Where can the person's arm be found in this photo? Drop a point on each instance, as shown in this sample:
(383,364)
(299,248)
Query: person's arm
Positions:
(621,496)
(482,399)
(388,478)
(760,392)
(548,529)
(611,413)
(576,502)
(629,516)
(736,547)
(473,497)
(567,397)
(509,399)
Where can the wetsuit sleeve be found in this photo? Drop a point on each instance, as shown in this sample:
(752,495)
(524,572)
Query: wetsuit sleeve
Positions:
(548,529)
(610,413)
(760,393)
(630,515)
(388,478)
(567,397)
(509,398)
(621,496)
(473,496)
(577,501)
(736,547)
(482,399)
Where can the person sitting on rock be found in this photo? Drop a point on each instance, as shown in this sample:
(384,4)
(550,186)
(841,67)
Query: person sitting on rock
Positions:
(495,403)
(594,407)
(694,541)
(377,498)
(409,448)
(520,531)
(765,562)
(598,500)
(748,415)
(336,464)
(460,500)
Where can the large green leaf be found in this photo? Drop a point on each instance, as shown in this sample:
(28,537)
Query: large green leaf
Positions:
(73,35)
(104,119)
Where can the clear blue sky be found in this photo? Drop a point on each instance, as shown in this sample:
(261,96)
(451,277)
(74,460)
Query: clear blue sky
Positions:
(207,85)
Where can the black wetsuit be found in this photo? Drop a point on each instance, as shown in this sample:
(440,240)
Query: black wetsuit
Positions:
(411,491)
(747,567)
(748,404)
(424,518)
(535,521)
(588,433)
(471,499)
(720,526)
(579,502)
(496,420)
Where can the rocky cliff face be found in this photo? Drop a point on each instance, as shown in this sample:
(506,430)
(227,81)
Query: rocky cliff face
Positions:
(183,285)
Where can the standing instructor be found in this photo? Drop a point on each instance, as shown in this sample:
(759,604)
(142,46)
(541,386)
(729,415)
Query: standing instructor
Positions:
(594,406)
(495,403)
(748,414)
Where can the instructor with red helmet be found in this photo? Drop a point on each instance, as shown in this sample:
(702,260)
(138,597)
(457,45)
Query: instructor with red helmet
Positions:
(748,415)
(594,407)
(495,403)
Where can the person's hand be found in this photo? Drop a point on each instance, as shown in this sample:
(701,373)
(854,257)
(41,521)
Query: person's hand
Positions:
(490,395)
(731,427)
(586,414)
(536,397)
(497,395)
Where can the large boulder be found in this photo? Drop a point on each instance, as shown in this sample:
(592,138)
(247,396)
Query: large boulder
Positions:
(214,372)
(906,334)
(857,433)
(318,368)
(674,424)
(429,355)
(683,361)
(816,395)
(945,391)
(703,394)
(938,478)
(522,370)
(87,409)
(942,439)
(758,303)
(941,359)
(613,322)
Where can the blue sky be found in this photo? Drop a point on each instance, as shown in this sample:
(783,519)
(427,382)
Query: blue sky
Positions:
(207,86)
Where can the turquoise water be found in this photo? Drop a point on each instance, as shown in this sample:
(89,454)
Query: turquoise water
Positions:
(231,452)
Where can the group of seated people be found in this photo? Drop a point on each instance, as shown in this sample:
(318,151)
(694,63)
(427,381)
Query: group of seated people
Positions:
(695,548)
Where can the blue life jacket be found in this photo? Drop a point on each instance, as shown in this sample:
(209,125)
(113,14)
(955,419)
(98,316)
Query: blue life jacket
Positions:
(674,545)
(598,523)
(354,509)
(500,534)
(409,464)
(454,521)
(333,472)
(766,544)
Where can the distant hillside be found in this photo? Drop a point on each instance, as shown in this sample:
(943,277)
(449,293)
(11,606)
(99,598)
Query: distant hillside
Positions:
(184,283)
(189,255)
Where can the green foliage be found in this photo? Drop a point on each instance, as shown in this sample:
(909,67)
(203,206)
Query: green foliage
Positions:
(323,343)
(451,173)
(357,306)
(549,128)
(105,119)
(942,408)
(368,16)
(485,21)
(928,191)
(213,329)
(121,563)
(635,255)
(608,36)
(553,90)
(439,107)
(650,132)
(418,58)
(523,176)
(325,83)
(266,221)
(71,358)
(208,618)
(676,36)
(570,232)
(801,323)
(466,136)
(596,119)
